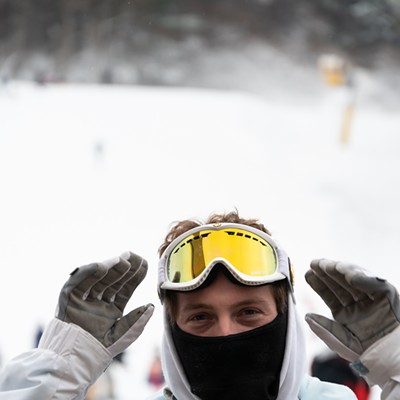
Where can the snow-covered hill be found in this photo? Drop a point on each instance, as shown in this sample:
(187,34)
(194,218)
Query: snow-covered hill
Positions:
(87,172)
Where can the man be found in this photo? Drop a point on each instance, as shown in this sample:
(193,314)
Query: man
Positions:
(231,330)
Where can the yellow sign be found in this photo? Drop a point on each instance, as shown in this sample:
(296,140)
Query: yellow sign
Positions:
(334,70)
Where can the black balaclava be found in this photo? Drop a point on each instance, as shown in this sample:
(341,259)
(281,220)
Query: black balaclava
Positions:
(243,366)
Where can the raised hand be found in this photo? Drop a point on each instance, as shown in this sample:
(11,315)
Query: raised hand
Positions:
(365,308)
(95,296)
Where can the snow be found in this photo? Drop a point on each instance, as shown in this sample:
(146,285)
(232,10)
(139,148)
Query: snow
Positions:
(89,171)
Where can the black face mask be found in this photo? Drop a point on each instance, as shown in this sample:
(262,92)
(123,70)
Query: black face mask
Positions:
(244,366)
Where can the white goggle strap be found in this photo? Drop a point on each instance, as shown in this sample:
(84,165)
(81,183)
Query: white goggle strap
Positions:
(161,276)
(285,267)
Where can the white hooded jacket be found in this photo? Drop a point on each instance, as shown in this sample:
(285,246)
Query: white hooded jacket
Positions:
(293,373)
(69,360)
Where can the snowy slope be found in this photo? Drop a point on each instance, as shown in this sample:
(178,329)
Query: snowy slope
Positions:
(90,171)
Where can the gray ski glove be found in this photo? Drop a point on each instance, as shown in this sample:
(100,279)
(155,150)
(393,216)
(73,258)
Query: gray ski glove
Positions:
(365,307)
(95,295)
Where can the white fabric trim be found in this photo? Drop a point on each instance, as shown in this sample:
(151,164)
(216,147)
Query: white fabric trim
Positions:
(66,363)
(382,359)
(88,356)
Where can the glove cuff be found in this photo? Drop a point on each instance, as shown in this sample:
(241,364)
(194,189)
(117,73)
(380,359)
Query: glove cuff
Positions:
(380,363)
(85,355)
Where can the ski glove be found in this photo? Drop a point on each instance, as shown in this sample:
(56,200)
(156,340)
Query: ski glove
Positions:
(94,298)
(365,307)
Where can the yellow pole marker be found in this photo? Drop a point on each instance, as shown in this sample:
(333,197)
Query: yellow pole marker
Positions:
(346,123)
(336,72)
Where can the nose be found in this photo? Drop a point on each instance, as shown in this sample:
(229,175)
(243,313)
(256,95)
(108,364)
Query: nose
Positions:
(224,327)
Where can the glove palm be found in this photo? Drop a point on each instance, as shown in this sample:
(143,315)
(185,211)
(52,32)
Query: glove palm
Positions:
(365,308)
(95,297)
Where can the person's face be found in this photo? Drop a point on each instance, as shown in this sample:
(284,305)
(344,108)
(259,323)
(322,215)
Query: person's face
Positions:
(223,308)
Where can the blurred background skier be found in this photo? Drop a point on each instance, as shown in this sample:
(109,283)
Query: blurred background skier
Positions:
(330,367)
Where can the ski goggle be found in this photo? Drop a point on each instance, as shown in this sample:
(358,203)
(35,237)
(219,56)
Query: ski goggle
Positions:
(250,255)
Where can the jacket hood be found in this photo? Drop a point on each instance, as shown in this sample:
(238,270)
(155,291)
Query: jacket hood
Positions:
(292,371)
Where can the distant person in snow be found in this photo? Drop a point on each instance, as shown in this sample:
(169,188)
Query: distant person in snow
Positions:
(155,376)
(231,328)
(330,367)
(38,334)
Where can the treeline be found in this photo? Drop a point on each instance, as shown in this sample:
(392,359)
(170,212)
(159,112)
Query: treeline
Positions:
(62,29)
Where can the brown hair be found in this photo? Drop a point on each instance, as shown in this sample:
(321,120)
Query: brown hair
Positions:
(279,288)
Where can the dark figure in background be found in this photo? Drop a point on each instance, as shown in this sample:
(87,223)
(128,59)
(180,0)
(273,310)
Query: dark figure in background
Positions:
(38,335)
(329,367)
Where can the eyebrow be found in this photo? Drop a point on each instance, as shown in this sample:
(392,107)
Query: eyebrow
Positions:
(196,306)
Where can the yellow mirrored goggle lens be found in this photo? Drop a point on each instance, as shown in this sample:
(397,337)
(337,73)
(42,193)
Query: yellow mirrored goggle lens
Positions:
(245,251)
